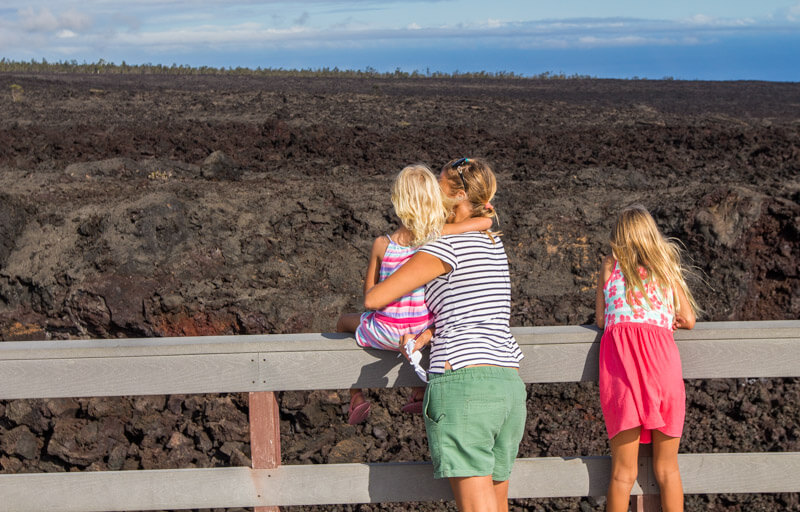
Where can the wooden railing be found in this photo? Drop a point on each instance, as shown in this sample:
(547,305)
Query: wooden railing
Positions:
(264,364)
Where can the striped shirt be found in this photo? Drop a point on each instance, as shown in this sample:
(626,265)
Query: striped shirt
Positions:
(471,304)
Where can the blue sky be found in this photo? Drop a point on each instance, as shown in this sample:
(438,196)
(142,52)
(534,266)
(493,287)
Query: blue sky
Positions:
(700,39)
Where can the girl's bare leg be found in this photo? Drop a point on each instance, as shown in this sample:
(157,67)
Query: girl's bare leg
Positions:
(624,466)
(474,493)
(348,322)
(668,475)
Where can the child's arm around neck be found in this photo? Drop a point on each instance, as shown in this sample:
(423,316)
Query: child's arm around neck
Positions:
(471,224)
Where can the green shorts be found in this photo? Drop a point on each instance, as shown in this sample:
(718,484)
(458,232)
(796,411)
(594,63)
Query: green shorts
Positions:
(475,418)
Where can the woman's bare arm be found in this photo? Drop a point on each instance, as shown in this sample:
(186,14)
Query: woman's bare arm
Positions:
(417,271)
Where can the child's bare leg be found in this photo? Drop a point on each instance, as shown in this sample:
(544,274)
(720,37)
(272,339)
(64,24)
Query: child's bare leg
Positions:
(624,465)
(348,322)
(668,475)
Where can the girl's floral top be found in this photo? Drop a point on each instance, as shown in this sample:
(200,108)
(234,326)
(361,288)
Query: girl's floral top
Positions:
(618,310)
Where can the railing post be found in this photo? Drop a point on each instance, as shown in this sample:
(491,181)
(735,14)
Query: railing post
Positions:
(265,434)
(650,501)
(646,503)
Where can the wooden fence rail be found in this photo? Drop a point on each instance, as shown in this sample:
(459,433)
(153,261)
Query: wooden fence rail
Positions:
(262,364)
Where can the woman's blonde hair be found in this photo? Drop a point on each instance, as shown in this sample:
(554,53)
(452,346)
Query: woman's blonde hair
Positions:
(417,201)
(476,179)
(637,242)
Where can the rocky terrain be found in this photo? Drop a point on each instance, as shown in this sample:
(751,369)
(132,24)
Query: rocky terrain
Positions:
(154,205)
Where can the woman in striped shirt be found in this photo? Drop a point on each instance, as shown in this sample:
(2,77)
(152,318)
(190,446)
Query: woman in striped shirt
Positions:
(417,201)
(474,405)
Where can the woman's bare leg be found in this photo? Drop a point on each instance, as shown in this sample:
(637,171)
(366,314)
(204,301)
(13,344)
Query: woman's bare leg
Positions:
(474,493)
(624,466)
(501,495)
(668,475)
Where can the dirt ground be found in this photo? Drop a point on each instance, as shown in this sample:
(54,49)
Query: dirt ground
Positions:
(173,205)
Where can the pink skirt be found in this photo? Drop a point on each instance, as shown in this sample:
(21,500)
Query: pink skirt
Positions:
(641,383)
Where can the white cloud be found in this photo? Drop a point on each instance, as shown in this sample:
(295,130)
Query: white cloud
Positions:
(793,13)
(248,34)
(594,42)
(710,21)
(126,21)
(42,21)
(74,20)
(155,27)
(576,33)
(303,19)
(700,19)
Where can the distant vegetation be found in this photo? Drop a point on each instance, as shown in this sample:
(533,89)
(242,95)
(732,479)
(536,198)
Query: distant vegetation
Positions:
(101,66)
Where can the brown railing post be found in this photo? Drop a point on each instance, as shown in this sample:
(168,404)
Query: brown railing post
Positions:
(650,501)
(265,434)
(646,503)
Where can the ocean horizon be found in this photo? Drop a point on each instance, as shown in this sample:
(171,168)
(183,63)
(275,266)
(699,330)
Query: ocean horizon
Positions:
(761,58)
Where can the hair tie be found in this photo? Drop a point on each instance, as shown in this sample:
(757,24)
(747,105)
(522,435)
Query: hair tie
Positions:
(488,206)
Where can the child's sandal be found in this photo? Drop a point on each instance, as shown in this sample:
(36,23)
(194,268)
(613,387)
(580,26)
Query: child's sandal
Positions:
(358,413)
(413,406)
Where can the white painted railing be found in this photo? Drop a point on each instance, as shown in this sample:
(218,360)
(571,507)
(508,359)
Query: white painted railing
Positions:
(262,364)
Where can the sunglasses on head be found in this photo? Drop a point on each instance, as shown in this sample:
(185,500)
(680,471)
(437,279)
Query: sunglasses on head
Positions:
(457,166)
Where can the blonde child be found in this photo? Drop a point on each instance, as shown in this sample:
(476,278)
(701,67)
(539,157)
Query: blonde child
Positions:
(641,297)
(418,202)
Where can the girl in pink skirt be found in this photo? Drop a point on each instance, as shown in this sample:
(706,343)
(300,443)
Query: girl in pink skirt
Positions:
(641,297)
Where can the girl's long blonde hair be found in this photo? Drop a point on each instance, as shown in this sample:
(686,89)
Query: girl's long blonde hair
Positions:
(637,242)
(417,201)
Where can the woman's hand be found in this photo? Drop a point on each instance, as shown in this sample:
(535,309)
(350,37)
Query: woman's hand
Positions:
(420,340)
